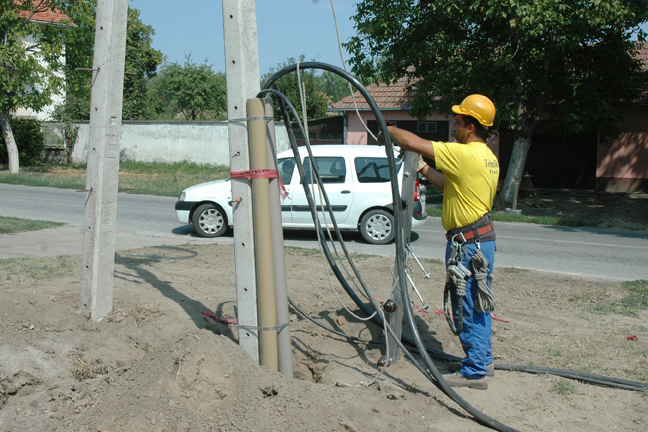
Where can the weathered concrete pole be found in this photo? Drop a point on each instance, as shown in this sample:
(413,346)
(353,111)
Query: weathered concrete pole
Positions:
(98,262)
(243,83)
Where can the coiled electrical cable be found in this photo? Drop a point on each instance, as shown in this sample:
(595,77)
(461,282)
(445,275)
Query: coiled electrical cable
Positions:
(434,375)
(431,373)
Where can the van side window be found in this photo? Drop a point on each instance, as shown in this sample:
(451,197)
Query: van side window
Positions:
(372,169)
(286,169)
(331,169)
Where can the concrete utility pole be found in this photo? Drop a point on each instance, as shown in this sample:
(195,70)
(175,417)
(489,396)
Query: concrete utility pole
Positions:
(242,72)
(98,262)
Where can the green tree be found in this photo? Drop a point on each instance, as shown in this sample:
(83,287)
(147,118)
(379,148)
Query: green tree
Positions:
(194,90)
(316,99)
(30,62)
(142,62)
(161,104)
(572,61)
(334,86)
(79,45)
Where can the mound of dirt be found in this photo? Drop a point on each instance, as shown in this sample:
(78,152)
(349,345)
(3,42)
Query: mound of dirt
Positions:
(155,364)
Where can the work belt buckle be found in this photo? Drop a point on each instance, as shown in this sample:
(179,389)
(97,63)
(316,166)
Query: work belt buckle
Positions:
(455,242)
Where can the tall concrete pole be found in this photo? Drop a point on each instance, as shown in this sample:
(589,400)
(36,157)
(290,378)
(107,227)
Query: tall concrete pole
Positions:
(243,83)
(98,262)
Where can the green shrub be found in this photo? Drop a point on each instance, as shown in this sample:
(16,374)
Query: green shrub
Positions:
(29,140)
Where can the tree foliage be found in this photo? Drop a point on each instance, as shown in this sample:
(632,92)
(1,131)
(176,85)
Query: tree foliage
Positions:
(192,90)
(316,99)
(30,62)
(142,62)
(29,140)
(334,86)
(570,60)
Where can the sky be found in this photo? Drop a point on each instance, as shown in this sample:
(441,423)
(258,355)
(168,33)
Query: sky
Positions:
(286,28)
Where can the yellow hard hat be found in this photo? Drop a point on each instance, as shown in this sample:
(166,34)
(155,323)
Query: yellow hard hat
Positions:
(477,106)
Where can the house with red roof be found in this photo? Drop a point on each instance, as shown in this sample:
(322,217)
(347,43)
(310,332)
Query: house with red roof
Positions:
(395,103)
(582,162)
(43,14)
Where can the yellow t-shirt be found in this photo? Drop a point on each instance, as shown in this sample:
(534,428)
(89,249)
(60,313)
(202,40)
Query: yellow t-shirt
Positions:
(471,171)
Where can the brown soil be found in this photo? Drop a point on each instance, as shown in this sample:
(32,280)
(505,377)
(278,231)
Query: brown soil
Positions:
(155,364)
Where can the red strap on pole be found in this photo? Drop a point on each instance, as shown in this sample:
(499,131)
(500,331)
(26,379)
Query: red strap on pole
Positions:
(261,174)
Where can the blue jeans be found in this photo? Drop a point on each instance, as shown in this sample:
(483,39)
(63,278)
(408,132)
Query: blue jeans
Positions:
(477,331)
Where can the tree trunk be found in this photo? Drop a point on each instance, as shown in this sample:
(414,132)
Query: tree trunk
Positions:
(12,149)
(515,171)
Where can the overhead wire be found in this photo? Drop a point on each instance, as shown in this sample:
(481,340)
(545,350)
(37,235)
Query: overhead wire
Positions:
(355,105)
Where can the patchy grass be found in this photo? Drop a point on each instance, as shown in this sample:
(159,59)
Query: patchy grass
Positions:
(42,268)
(12,225)
(148,178)
(564,387)
(631,304)
(57,176)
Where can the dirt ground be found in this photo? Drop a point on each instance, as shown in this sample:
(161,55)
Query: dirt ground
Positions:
(606,210)
(155,364)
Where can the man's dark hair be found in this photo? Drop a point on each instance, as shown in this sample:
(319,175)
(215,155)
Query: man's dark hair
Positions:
(480,130)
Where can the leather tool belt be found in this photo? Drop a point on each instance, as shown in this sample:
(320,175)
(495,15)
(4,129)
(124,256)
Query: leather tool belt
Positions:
(482,230)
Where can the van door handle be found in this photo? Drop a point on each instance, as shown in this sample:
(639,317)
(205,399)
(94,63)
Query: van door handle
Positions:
(346,192)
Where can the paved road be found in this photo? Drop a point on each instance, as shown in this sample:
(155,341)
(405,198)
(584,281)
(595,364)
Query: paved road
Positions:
(144,220)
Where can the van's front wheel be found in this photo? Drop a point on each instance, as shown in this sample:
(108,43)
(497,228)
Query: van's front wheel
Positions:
(209,220)
(377,227)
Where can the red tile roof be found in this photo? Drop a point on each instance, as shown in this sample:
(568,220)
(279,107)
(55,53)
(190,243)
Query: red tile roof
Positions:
(387,97)
(44,14)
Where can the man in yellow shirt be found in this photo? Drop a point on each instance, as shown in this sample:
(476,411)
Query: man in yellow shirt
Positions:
(467,172)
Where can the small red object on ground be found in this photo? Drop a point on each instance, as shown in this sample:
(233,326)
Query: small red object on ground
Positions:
(496,318)
(632,337)
(210,317)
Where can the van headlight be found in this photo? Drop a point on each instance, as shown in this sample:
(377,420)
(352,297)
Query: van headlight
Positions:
(182,196)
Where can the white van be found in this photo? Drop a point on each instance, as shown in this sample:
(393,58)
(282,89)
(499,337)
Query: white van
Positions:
(356,180)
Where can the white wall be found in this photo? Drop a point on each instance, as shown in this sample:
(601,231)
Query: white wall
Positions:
(153,141)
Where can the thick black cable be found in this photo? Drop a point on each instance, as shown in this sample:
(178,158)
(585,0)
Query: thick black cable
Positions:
(438,378)
(423,350)
(282,102)
(582,376)
(331,329)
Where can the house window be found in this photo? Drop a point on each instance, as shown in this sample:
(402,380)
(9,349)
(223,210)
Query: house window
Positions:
(427,127)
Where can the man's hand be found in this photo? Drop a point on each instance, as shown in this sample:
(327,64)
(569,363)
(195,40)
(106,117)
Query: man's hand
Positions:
(420,164)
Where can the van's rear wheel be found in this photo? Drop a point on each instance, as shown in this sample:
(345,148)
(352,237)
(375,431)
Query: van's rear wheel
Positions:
(377,227)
